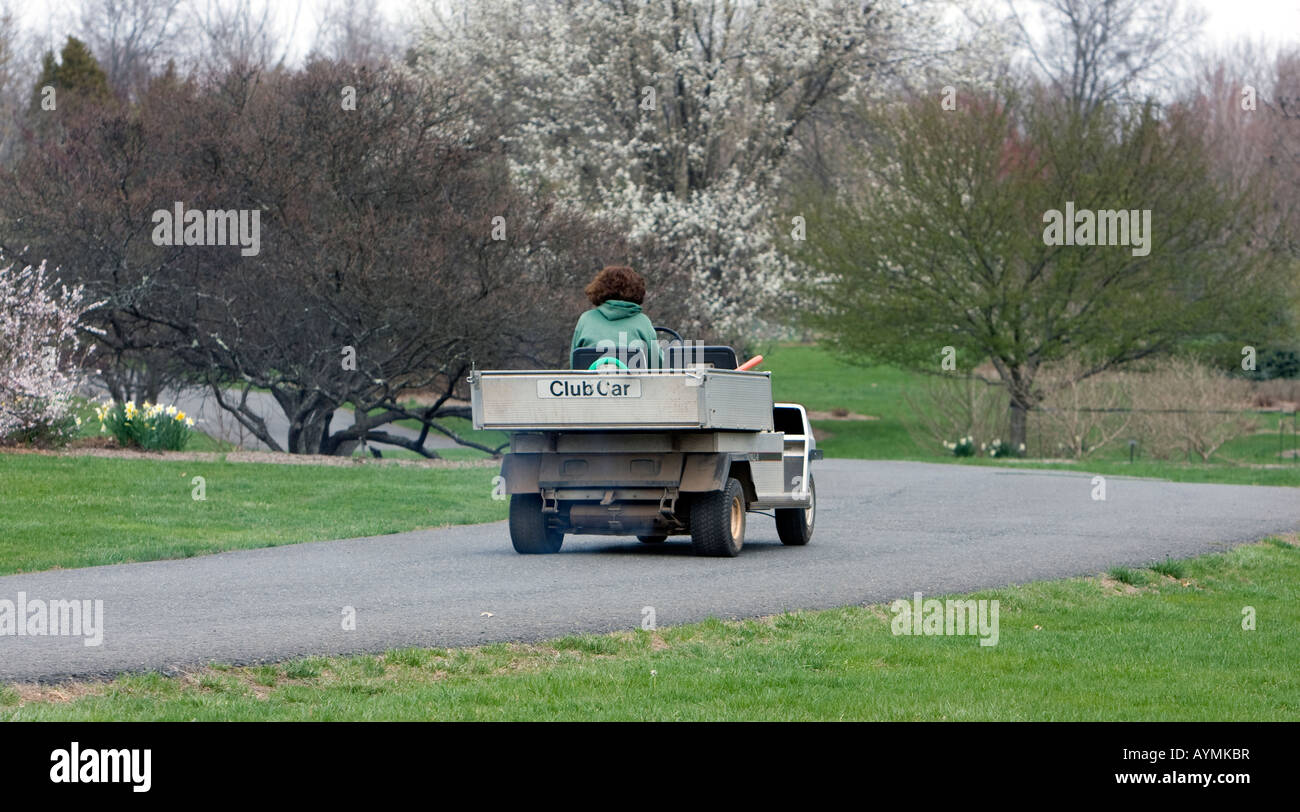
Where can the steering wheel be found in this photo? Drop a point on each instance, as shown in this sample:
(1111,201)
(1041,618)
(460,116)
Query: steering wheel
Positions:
(670,331)
(608,359)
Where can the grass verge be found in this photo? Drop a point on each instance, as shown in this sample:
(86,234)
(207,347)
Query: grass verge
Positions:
(1151,647)
(81,511)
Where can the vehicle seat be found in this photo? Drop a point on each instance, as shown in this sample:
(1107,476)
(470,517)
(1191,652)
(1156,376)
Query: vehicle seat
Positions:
(584,357)
(677,356)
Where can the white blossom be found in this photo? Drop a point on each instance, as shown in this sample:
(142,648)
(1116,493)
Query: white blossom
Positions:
(38,343)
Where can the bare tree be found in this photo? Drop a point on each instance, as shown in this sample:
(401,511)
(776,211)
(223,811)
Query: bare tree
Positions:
(1245,100)
(1098,51)
(238,35)
(19,65)
(9,104)
(130,38)
(392,253)
(356,32)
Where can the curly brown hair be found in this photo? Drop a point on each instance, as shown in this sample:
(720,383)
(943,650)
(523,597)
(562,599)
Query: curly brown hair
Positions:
(616,282)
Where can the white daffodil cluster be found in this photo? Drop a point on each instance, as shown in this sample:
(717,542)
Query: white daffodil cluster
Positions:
(150,425)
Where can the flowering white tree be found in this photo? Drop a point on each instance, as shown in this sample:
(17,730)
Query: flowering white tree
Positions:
(38,348)
(677,117)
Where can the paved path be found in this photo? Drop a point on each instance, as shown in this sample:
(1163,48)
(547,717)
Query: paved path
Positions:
(885,530)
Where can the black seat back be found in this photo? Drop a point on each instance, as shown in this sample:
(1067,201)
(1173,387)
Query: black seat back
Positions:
(584,357)
(678,356)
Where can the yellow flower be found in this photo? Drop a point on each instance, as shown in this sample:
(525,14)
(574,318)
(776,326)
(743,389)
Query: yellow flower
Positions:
(180,415)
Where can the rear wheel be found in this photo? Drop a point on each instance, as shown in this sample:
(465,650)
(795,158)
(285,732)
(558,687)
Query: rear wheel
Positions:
(652,539)
(528,531)
(795,525)
(718,521)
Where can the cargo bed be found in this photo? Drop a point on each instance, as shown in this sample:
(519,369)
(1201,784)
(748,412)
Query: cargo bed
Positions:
(700,399)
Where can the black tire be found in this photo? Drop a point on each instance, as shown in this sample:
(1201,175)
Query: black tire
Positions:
(652,539)
(718,521)
(795,525)
(528,531)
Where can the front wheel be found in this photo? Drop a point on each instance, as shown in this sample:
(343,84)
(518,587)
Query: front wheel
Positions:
(795,525)
(528,531)
(718,521)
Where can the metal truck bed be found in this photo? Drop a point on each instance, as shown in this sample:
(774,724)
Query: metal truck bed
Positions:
(701,399)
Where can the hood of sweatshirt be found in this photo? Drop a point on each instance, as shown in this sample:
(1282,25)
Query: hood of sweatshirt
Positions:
(615,309)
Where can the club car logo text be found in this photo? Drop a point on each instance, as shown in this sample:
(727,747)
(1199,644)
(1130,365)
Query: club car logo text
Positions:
(601,387)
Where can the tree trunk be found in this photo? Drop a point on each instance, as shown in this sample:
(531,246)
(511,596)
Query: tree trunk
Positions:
(305,434)
(1019,381)
(309,429)
(1019,425)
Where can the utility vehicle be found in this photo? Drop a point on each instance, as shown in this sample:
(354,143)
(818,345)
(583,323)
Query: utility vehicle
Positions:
(617,448)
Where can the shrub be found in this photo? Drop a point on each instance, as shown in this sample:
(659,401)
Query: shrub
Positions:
(954,405)
(1081,413)
(39,355)
(53,432)
(1187,408)
(1276,394)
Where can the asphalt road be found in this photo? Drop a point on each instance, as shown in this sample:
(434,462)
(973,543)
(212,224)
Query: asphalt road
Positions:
(884,530)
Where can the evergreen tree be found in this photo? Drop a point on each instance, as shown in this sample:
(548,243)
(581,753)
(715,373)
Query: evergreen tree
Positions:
(76,77)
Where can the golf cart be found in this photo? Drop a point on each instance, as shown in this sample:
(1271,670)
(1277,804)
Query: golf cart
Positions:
(614,447)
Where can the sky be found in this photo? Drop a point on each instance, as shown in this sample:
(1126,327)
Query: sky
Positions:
(1228,20)
(1273,21)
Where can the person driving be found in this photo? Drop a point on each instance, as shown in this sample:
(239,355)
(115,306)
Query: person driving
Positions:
(615,323)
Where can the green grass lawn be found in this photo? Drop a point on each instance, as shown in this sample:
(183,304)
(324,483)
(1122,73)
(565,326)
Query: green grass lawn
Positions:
(812,376)
(1163,648)
(79,511)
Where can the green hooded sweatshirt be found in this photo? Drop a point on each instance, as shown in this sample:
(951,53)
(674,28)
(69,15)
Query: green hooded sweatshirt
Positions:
(607,322)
